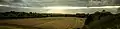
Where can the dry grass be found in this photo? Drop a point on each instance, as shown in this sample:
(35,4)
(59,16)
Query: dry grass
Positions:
(49,23)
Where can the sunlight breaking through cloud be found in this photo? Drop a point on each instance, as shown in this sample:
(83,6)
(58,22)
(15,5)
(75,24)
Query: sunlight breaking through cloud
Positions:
(65,9)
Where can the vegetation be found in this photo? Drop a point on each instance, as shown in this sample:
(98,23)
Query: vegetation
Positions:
(13,14)
(98,20)
(4,28)
(103,20)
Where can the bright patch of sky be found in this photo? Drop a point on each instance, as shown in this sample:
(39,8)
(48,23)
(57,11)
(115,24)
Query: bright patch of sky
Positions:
(52,6)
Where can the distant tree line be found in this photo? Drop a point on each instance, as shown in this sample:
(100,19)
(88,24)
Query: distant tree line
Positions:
(19,14)
(13,14)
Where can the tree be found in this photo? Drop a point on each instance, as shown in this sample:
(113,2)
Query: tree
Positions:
(1,0)
(97,13)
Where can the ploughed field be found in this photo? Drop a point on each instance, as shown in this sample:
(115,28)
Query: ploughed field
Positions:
(43,23)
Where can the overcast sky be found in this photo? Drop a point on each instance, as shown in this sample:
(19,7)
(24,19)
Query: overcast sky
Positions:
(36,6)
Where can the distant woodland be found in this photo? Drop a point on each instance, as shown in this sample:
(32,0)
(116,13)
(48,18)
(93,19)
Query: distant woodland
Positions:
(13,14)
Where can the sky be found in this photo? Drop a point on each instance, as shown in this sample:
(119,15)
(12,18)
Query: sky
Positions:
(49,6)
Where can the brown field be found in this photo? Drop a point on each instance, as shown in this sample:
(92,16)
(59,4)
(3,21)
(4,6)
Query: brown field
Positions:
(46,23)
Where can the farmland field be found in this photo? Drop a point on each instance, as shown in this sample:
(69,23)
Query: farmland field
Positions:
(44,23)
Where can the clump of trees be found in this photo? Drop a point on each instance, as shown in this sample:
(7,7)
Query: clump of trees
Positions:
(103,20)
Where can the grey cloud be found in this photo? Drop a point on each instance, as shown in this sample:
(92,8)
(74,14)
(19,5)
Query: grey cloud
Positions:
(43,3)
(6,9)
